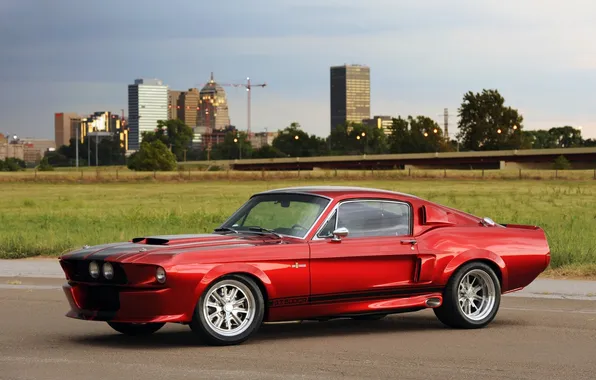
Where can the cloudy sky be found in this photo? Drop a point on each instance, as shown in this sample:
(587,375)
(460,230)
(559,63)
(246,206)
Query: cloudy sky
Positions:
(79,56)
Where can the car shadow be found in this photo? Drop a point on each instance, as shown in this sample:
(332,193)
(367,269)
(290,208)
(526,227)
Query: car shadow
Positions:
(182,336)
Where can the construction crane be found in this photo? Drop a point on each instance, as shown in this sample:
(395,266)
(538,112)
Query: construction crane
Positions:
(248,85)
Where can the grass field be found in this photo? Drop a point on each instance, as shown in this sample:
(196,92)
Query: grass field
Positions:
(48,219)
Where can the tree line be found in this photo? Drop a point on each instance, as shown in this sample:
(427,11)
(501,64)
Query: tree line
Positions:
(485,123)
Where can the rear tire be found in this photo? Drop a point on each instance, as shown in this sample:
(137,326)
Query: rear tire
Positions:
(136,329)
(229,311)
(471,298)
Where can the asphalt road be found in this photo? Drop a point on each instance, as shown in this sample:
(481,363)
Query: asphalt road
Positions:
(530,339)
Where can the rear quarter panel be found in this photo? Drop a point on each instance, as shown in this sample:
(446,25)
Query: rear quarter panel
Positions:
(520,253)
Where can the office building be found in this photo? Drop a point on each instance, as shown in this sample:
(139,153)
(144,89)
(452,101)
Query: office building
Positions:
(65,126)
(350,94)
(184,106)
(147,104)
(173,104)
(381,122)
(190,102)
(213,106)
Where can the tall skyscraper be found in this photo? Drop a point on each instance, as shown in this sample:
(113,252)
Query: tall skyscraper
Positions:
(213,106)
(184,105)
(190,107)
(147,103)
(173,104)
(350,94)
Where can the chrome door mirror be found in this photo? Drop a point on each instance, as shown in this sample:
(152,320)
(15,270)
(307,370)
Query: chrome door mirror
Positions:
(488,221)
(340,233)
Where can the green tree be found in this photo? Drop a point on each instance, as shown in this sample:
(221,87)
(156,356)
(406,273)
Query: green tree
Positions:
(12,165)
(44,165)
(152,156)
(565,137)
(357,138)
(557,137)
(176,135)
(561,163)
(294,142)
(338,140)
(234,146)
(419,134)
(487,124)
(267,151)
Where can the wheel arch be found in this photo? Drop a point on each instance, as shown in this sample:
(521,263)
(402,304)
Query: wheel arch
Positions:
(255,274)
(489,258)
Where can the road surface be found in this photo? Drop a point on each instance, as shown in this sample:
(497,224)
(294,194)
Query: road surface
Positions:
(531,338)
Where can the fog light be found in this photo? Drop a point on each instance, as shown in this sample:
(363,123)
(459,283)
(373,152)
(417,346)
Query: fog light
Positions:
(94,269)
(160,275)
(108,271)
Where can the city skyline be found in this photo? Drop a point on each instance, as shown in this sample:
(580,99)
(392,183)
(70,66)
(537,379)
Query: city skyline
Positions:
(424,58)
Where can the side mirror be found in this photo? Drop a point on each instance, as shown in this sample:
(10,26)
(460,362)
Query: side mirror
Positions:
(340,233)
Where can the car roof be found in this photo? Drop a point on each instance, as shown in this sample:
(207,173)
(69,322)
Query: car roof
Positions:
(336,191)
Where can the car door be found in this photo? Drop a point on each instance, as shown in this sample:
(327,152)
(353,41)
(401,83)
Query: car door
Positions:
(375,258)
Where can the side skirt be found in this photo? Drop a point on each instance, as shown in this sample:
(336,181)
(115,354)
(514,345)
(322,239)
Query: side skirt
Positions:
(388,301)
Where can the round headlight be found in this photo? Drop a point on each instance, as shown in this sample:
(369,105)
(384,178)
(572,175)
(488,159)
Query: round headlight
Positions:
(160,275)
(108,271)
(94,269)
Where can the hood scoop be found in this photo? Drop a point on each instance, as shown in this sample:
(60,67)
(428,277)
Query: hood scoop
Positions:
(151,241)
(174,240)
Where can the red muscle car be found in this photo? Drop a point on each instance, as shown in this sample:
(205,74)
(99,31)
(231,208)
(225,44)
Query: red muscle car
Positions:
(308,253)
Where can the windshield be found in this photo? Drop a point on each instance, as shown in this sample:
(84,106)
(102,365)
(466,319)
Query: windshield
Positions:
(285,214)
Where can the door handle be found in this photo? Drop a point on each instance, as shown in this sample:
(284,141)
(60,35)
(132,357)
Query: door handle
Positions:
(409,241)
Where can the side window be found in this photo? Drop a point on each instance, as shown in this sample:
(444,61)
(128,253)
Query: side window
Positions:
(374,218)
(329,227)
(396,218)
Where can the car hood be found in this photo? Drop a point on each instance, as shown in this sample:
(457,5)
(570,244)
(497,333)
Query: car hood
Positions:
(166,245)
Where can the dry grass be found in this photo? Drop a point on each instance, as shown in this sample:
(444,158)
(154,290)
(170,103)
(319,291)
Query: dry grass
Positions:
(123,175)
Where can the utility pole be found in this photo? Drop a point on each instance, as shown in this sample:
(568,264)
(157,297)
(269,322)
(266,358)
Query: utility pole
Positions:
(446,117)
(446,121)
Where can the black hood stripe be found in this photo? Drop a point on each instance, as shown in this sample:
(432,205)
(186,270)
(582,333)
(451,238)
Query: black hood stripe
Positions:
(118,251)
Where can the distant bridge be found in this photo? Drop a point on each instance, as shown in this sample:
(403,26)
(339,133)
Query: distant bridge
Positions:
(580,158)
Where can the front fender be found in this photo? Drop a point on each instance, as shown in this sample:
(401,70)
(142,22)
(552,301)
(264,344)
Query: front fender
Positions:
(224,269)
(471,255)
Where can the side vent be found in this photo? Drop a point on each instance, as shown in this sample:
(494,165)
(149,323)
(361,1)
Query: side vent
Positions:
(417,270)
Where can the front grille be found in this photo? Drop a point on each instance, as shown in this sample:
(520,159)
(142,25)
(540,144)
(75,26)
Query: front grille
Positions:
(101,298)
(78,270)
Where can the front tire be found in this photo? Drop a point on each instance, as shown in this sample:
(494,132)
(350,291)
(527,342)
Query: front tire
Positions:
(136,329)
(229,311)
(471,298)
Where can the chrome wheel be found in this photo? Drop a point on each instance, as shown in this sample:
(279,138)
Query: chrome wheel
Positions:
(229,308)
(476,294)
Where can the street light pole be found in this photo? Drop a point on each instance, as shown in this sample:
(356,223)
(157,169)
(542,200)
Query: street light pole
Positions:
(77,149)
(96,150)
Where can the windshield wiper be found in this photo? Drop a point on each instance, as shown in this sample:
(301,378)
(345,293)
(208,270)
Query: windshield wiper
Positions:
(225,229)
(261,229)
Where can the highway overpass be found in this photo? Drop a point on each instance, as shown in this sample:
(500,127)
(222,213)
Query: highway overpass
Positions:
(580,158)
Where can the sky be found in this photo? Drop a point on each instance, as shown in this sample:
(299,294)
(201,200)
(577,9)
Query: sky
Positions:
(79,56)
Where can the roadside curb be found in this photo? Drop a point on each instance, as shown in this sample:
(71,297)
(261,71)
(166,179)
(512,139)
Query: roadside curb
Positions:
(540,288)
